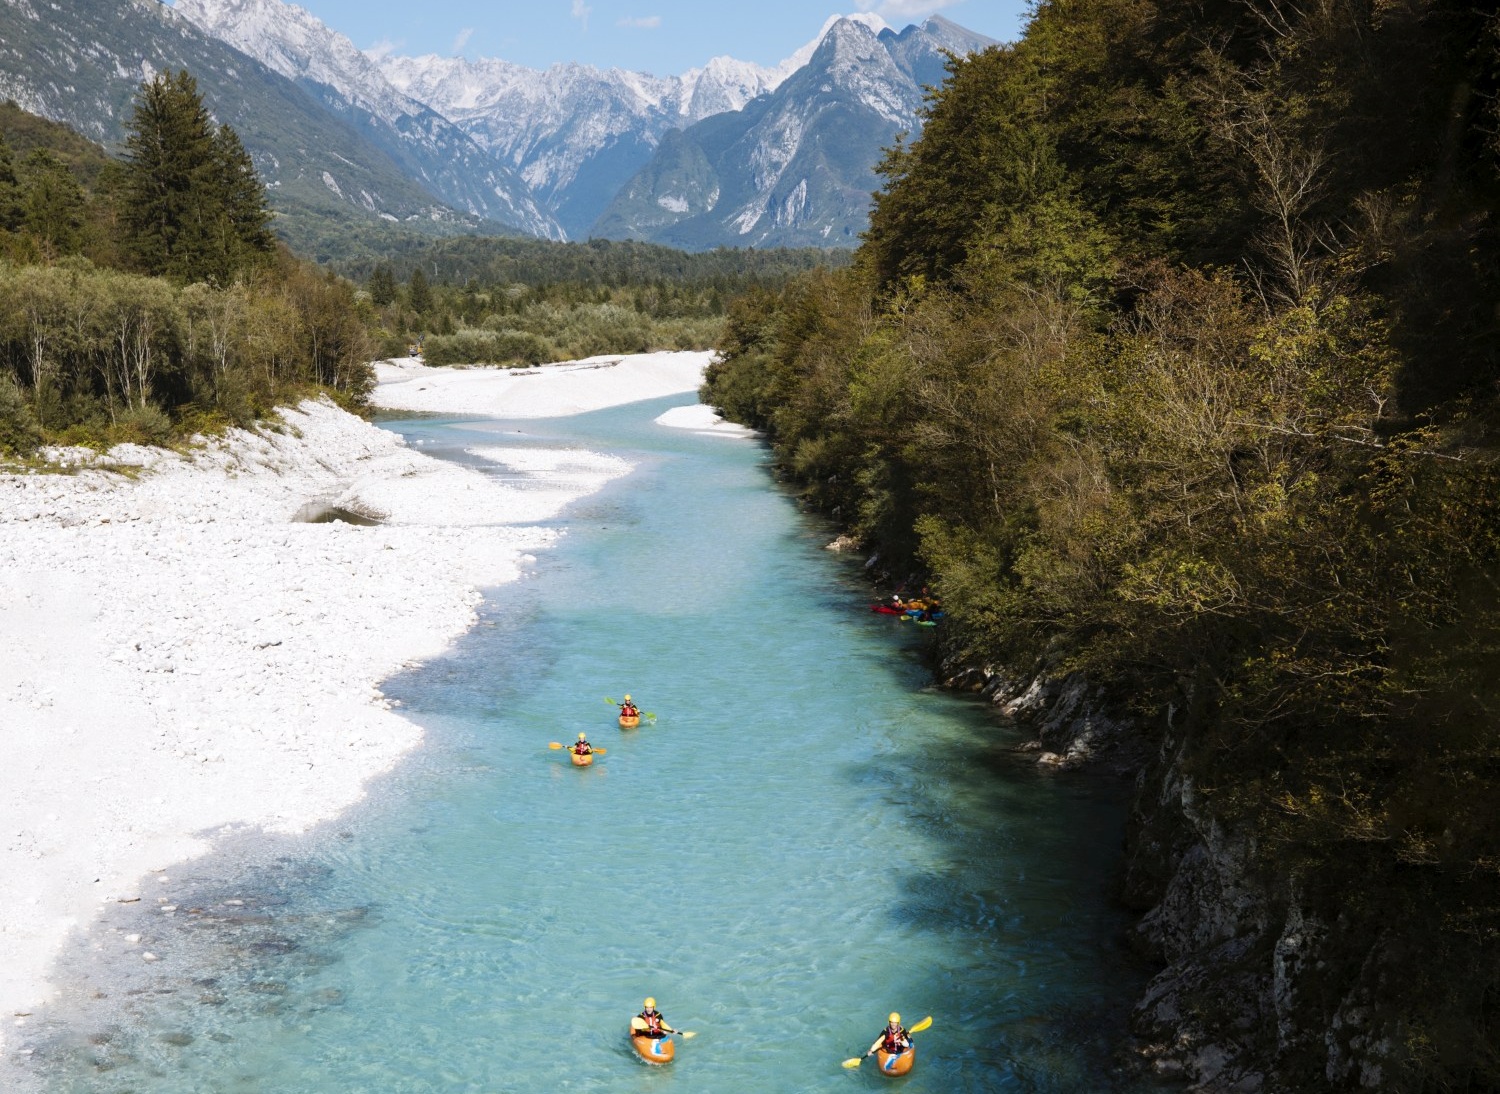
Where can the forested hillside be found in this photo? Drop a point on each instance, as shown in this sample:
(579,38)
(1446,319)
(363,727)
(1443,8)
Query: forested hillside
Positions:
(145,298)
(1171,357)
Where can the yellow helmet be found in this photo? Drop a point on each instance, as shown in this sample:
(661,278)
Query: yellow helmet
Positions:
(583,736)
(895,1019)
(627,696)
(650,1003)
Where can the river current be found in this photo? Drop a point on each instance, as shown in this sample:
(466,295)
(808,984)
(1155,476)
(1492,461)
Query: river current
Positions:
(808,837)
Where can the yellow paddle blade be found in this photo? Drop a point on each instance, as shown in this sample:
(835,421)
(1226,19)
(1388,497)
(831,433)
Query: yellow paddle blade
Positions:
(638,1022)
(920,1026)
(600,751)
(854,1061)
(686,1034)
(554,746)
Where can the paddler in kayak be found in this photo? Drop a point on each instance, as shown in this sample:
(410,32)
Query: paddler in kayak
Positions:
(894,1039)
(650,1023)
(582,748)
(629,709)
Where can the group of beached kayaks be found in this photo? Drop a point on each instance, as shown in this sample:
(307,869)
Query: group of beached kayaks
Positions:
(661,1048)
(924,613)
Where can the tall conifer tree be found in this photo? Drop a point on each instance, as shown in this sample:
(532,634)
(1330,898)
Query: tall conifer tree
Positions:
(10,191)
(53,206)
(244,218)
(419,292)
(194,208)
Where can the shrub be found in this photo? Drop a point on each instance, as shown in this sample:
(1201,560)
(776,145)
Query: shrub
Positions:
(147,425)
(19,432)
(487,347)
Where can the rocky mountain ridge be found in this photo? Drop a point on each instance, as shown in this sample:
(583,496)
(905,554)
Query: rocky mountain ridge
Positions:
(580,137)
(430,148)
(795,167)
(86,70)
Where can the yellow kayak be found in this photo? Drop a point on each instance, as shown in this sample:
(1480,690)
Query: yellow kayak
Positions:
(629,721)
(581,761)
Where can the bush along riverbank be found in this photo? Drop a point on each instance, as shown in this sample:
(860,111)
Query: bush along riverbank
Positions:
(1171,359)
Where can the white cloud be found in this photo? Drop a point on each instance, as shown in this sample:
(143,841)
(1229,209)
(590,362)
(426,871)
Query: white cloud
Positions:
(647,22)
(903,9)
(461,39)
(581,12)
(383,48)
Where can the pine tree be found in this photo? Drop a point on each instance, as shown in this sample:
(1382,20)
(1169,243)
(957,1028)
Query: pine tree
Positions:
(382,285)
(419,292)
(10,191)
(168,189)
(244,219)
(194,207)
(52,202)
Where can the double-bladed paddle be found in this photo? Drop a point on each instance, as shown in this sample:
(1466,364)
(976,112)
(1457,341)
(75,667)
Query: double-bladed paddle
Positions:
(646,714)
(855,1061)
(638,1023)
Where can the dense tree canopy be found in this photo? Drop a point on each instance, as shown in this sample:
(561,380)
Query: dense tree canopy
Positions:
(1170,356)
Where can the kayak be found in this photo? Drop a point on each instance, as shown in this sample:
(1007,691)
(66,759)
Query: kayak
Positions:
(899,1064)
(886,609)
(654,1050)
(629,721)
(581,761)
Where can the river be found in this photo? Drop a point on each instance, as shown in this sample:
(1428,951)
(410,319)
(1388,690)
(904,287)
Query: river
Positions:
(808,837)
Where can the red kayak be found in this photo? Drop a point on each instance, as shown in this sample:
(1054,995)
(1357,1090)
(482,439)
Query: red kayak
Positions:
(886,609)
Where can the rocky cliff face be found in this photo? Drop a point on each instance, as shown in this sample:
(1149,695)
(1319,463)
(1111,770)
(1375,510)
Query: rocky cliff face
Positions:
(1268,981)
(326,65)
(794,167)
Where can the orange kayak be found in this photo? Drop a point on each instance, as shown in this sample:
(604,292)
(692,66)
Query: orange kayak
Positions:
(654,1050)
(899,1064)
(581,761)
(629,721)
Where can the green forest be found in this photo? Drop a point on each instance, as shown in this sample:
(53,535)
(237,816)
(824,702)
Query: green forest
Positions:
(488,300)
(1170,358)
(143,299)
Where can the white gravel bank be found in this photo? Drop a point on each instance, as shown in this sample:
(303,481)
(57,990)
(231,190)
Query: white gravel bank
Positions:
(177,655)
(548,391)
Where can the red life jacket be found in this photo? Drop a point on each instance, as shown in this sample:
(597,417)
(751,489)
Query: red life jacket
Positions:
(653,1022)
(583,748)
(895,1040)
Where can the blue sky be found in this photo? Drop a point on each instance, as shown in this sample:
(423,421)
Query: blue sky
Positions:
(660,36)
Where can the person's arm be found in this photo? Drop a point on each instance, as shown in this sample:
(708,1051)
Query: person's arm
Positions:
(878,1042)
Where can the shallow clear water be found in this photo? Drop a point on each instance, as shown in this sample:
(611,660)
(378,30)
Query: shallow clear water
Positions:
(808,838)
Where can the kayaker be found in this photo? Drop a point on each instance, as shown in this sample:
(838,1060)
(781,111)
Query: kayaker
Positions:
(628,709)
(582,748)
(655,1024)
(894,1038)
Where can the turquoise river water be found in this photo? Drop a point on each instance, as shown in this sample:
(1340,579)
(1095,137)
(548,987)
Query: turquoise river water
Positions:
(808,837)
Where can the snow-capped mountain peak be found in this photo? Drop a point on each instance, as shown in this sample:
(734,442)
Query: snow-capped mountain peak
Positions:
(554,150)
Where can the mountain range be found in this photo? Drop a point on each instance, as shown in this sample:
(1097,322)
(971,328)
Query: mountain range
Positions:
(727,154)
